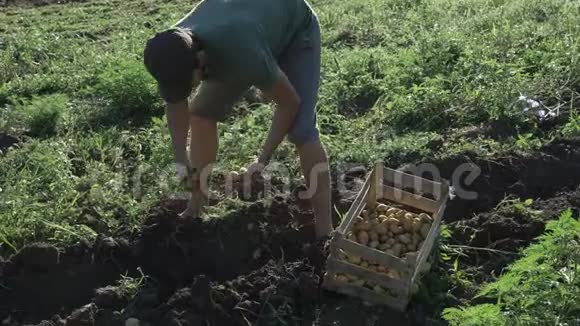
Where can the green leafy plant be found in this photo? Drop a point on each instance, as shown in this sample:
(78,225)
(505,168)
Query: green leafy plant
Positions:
(543,285)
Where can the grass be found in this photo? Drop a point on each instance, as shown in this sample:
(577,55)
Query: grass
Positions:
(401,81)
(540,288)
(396,75)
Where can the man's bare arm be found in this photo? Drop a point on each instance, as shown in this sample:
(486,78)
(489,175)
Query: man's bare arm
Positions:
(287,106)
(178,124)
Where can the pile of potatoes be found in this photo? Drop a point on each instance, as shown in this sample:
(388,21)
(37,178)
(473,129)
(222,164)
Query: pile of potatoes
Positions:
(391,230)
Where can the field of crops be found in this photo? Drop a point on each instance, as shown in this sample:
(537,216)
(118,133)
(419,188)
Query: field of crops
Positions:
(89,233)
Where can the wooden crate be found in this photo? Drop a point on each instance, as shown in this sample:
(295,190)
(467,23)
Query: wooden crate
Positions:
(410,193)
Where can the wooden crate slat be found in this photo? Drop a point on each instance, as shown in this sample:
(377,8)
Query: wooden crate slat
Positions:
(380,257)
(429,242)
(339,266)
(409,199)
(405,180)
(368,295)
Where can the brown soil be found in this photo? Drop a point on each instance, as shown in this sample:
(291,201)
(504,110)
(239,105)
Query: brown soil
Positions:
(260,265)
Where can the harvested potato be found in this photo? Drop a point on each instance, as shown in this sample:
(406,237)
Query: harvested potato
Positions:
(396,229)
(341,278)
(391,221)
(373,244)
(364,264)
(372,268)
(365,214)
(391,211)
(407,224)
(390,252)
(400,214)
(382,218)
(373,236)
(352,237)
(356,260)
(417,224)
(374,222)
(426,218)
(383,246)
(412,247)
(425,230)
(390,234)
(381,269)
(397,249)
(405,238)
(363,237)
(364,226)
(382,208)
(384,238)
(391,241)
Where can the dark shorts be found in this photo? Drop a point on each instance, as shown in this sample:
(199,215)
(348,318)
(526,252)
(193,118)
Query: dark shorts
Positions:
(301,63)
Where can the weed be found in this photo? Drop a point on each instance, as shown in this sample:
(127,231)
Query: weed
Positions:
(543,285)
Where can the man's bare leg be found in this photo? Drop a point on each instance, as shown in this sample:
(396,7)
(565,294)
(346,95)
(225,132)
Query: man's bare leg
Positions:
(203,147)
(316,171)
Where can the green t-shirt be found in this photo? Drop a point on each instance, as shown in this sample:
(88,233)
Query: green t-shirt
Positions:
(243,38)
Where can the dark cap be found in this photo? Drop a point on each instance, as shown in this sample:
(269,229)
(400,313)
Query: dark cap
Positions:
(170,57)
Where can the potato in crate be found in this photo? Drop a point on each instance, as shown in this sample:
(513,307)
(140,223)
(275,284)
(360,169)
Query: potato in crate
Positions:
(380,250)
